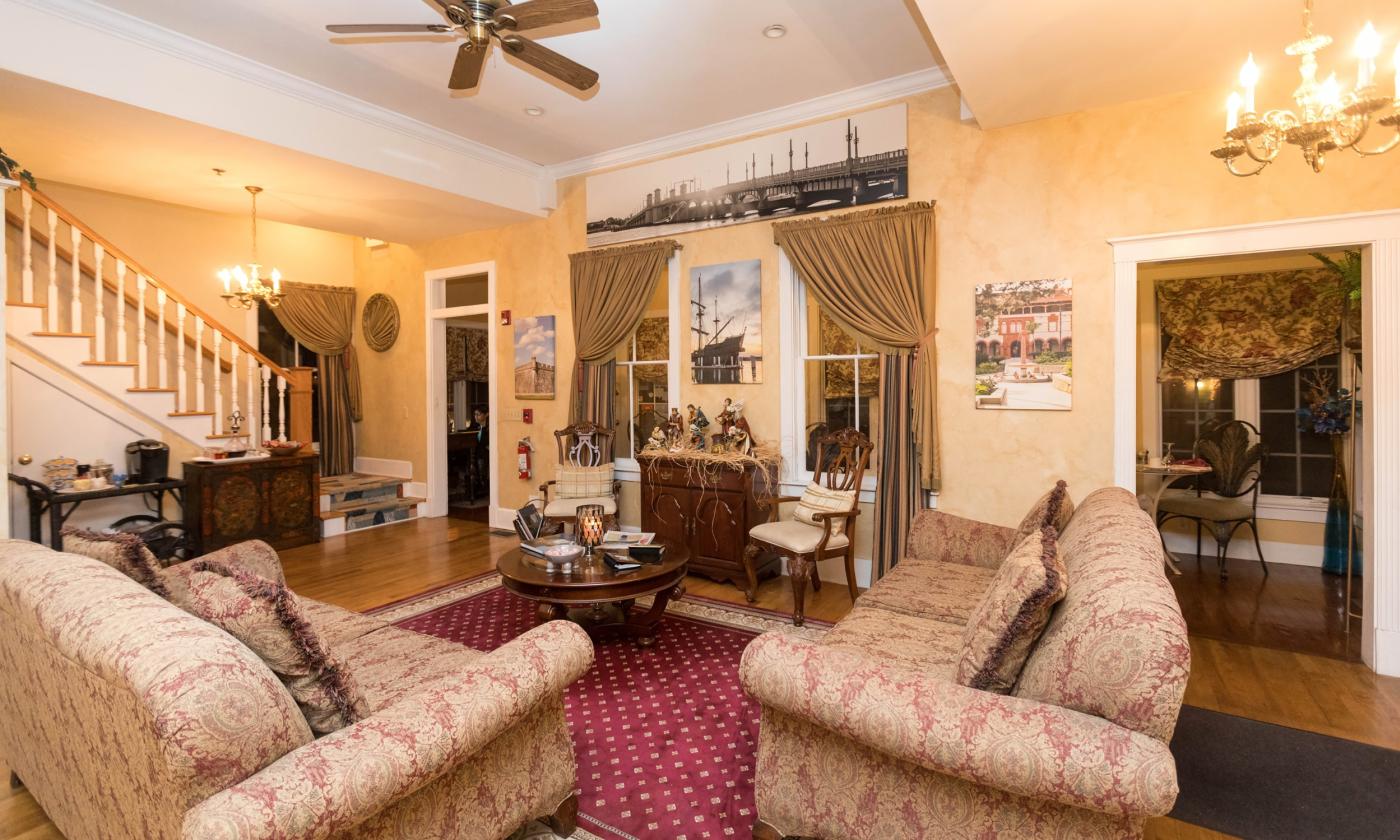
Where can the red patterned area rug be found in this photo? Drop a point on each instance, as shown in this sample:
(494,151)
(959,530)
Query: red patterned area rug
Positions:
(664,736)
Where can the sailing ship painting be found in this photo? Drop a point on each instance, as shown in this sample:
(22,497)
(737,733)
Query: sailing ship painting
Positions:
(845,162)
(726,317)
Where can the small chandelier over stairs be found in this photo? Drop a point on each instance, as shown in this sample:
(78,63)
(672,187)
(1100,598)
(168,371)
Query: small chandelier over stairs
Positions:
(1327,118)
(244,288)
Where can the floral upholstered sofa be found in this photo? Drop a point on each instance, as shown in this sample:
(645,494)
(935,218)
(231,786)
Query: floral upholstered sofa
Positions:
(868,734)
(127,717)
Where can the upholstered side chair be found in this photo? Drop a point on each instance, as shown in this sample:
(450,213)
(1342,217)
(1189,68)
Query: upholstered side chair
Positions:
(1237,458)
(821,523)
(585,473)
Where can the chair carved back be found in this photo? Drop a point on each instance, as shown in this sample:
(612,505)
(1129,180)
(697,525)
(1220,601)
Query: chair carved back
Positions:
(1236,457)
(584,444)
(842,457)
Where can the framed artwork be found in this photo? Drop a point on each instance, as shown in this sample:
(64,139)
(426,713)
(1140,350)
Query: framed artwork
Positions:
(534,358)
(726,323)
(844,162)
(1024,345)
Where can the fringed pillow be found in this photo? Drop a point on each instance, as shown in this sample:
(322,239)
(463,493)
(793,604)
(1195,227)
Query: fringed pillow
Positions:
(817,499)
(1012,614)
(1054,509)
(124,552)
(255,557)
(266,616)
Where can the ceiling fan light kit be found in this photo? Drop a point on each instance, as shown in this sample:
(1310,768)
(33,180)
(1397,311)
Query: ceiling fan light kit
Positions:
(479,22)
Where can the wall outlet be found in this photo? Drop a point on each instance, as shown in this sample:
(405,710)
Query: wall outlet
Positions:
(527,415)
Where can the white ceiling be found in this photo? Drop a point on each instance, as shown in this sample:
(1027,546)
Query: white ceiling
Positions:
(1019,60)
(67,136)
(666,66)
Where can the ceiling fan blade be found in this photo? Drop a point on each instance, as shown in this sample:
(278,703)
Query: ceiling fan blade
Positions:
(371,28)
(466,72)
(541,57)
(536,13)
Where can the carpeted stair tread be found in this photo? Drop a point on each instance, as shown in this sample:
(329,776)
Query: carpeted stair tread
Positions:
(358,506)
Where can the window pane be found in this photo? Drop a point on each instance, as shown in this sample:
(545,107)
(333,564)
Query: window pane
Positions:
(824,337)
(836,400)
(1278,432)
(654,339)
(1278,392)
(1316,477)
(646,385)
(1280,476)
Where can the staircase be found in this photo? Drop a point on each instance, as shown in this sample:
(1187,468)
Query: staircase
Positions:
(82,304)
(358,501)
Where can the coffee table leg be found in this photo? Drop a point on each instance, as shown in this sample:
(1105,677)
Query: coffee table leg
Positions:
(644,627)
(546,612)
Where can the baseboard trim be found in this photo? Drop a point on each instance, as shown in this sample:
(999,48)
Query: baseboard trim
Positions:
(1242,548)
(385,466)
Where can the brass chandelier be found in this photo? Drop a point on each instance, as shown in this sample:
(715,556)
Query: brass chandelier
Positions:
(244,288)
(1327,117)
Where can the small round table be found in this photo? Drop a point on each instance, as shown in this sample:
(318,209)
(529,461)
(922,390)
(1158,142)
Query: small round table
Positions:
(598,598)
(1166,474)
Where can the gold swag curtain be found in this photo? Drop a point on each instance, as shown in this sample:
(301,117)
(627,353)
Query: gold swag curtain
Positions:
(610,288)
(1244,326)
(322,318)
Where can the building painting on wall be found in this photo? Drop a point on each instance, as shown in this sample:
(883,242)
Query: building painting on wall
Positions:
(534,358)
(1024,345)
(726,323)
(838,163)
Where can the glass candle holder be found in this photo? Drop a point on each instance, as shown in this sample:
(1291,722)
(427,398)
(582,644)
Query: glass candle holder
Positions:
(590,526)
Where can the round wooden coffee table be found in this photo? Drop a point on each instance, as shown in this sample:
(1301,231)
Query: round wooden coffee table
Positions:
(598,598)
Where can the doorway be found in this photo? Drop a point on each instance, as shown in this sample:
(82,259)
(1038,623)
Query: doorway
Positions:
(462,393)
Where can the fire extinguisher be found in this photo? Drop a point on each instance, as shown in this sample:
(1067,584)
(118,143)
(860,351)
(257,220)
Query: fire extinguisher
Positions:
(522,456)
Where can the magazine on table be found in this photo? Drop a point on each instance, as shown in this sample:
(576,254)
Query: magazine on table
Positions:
(621,540)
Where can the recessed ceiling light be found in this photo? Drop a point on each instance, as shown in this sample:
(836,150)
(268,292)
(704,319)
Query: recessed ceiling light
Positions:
(777,30)
(534,110)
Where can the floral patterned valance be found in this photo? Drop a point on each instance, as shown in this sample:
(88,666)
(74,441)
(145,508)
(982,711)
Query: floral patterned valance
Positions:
(1244,326)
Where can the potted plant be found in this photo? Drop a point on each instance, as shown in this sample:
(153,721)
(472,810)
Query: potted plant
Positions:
(1349,269)
(1328,412)
(11,170)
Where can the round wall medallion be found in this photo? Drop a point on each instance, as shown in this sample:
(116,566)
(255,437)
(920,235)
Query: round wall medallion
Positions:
(381,322)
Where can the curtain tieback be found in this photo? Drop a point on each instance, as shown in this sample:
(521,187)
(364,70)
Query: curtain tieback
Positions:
(924,342)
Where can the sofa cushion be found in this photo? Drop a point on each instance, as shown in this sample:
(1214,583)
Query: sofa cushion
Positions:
(392,663)
(936,535)
(268,618)
(1012,615)
(336,625)
(575,482)
(817,499)
(1055,509)
(796,536)
(930,589)
(124,552)
(926,645)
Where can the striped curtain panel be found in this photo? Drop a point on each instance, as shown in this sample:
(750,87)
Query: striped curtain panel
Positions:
(594,399)
(897,497)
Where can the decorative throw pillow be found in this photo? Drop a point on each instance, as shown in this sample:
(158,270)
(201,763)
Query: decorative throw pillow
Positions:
(818,499)
(584,482)
(266,616)
(255,557)
(124,552)
(1012,614)
(1054,509)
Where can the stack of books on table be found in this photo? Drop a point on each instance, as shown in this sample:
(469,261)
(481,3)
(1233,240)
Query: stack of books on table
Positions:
(631,549)
(531,528)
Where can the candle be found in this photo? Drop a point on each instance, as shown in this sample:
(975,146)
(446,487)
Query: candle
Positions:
(228,281)
(1396,65)
(590,526)
(1232,111)
(1249,77)
(276,281)
(1368,46)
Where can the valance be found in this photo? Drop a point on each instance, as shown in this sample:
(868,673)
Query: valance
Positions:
(1246,326)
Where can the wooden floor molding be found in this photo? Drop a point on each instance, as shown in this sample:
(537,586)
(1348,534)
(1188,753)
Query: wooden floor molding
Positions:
(367,569)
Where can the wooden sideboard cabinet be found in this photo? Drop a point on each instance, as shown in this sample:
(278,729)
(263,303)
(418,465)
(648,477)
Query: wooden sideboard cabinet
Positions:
(712,517)
(276,500)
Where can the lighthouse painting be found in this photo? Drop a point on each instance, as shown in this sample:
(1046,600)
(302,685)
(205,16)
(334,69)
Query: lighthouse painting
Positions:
(726,323)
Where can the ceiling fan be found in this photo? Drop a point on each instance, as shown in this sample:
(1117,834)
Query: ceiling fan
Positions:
(482,20)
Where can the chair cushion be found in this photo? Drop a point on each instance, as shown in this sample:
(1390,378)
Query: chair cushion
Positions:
(268,618)
(1055,509)
(930,589)
(818,499)
(569,507)
(124,552)
(1012,615)
(794,536)
(574,482)
(926,645)
(1210,508)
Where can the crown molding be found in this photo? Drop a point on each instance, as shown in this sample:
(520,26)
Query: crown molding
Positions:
(828,105)
(144,33)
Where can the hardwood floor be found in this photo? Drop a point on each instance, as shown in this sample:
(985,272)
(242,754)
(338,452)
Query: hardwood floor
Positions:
(368,569)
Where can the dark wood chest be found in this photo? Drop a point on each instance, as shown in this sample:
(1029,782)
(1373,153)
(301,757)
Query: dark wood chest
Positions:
(710,510)
(276,500)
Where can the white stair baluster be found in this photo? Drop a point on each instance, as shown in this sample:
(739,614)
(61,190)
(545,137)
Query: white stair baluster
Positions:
(254,431)
(266,414)
(122,351)
(99,322)
(162,361)
(282,409)
(143,375)
(198,363)
(218,378)
(234,408)
(75,306)
(26,288)
(182,400)
(51,312)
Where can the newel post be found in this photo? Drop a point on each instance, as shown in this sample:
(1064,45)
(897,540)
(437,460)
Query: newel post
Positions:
(299,404)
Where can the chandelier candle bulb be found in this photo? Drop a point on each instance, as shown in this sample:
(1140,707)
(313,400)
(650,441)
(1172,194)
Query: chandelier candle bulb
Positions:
(1232,111)
(1395,63)
(1249,78)
(1368,46)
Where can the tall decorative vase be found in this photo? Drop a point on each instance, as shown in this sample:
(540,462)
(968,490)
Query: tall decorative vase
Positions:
(1336,542)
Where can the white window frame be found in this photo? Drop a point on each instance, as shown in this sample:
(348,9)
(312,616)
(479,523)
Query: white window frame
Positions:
(792,322)
(627,468)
